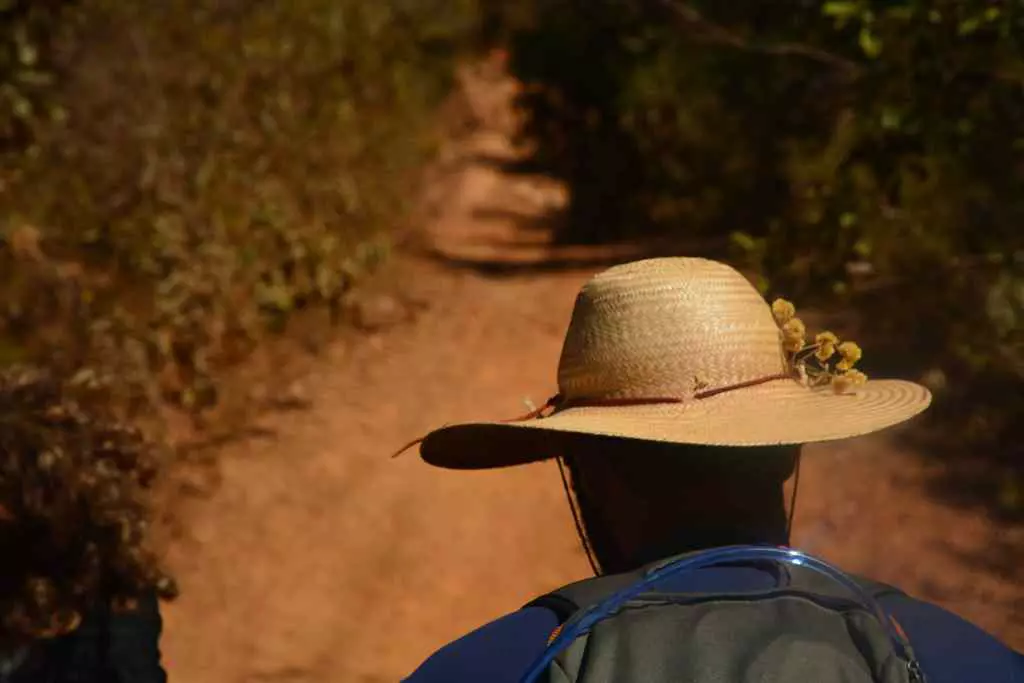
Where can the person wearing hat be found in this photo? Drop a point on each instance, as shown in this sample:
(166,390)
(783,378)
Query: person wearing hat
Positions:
(684,399)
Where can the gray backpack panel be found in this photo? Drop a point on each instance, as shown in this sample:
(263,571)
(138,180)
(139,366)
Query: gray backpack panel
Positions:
(806,629)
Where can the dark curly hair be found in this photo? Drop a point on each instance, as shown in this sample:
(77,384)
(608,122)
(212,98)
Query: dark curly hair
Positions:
(73,508)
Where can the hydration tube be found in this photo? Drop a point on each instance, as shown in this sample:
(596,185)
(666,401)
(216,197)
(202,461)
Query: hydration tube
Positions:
(585,619)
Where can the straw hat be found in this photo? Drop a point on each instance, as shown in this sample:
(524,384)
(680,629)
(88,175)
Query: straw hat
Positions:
(681,350)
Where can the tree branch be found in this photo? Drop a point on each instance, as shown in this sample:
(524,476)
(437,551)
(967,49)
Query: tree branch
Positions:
(711,32)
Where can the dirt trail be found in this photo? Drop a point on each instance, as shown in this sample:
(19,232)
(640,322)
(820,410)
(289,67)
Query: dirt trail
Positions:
(321,559)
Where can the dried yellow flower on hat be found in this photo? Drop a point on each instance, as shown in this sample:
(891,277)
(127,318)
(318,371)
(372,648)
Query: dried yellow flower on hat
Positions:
(811,363)
(793,335)
(842,384)
(826,337)
(795,328)
(826,343)
(846,381)
(783,311)
(851,353)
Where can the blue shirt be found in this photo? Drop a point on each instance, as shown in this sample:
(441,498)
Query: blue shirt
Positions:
(106,647)
(949,649)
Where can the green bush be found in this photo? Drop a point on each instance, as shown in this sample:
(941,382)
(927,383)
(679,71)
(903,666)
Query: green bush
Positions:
(862,154)
(26,30)
(214,166)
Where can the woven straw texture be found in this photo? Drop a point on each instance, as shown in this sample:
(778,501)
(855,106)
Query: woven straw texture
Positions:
(671,328)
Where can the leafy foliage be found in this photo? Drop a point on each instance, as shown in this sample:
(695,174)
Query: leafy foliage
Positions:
(866,153)
(217,165)
(25,66)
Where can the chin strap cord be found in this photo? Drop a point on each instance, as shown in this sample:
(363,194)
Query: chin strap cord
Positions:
(576,517)
(792,500)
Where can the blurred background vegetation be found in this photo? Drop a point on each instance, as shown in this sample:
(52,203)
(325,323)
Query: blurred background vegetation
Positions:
(865,156)
(177,178)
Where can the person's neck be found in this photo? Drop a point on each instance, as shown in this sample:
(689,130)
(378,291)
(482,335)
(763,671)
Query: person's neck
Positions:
(759,519)
(692,540)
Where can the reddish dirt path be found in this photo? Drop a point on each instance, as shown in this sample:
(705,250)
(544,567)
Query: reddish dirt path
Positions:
(321,559)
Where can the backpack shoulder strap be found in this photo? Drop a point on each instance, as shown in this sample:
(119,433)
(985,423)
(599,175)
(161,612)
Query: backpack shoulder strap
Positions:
(569,599)
(876,589)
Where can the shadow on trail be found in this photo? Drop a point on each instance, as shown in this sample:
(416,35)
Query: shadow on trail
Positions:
(543,224)
(511,166)
(1002,558)
(972,460)
(534,249)
(511,268)
(978,453)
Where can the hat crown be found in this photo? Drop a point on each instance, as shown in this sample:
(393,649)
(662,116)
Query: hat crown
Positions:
(667,327)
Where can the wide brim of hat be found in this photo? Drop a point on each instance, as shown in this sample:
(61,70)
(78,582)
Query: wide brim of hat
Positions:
(777,413)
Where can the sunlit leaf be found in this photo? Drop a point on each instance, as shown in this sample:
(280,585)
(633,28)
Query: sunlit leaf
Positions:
(870,44)
(842,10)
(969,26)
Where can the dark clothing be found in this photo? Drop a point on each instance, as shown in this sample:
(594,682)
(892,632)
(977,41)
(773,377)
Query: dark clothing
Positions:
(949,649)
(106,648)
